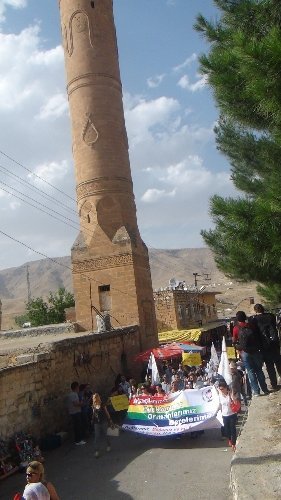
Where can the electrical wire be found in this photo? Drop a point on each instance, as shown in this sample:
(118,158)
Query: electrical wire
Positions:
(59,263)
(38,208)
(35,175)
(54,187)
(42,193)
(77,227)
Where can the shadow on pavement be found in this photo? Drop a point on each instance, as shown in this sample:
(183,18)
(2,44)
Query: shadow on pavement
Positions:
(78,475)
(256,460)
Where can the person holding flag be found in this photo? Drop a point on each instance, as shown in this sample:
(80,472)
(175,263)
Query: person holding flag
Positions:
(224,368)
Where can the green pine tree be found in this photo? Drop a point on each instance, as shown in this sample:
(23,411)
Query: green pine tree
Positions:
(243,69)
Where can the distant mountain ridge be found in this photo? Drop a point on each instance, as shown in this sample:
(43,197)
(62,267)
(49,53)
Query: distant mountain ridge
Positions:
(46,276)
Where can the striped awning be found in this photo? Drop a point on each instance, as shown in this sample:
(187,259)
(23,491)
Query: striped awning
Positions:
(192,334)
(179,335)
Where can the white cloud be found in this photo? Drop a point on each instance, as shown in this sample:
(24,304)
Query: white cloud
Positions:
(147,116)
(192,177)
(16,4)
(35,130)
(51,172)
(28,75)
(188,61)
(185,83)
(56,106)
(158,132)
(173,175)
(155,81)
(168,151)
(14,205)
(154,195)
(9,202)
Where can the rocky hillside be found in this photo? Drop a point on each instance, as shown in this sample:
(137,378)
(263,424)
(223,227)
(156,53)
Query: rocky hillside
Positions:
(46,276)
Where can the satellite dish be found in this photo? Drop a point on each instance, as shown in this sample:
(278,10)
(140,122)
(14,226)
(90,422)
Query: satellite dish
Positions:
(172,282)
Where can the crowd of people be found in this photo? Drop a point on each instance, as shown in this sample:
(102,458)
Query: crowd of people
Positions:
(256,341)
(93,415)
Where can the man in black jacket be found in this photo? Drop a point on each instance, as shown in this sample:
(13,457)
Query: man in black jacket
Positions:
(265,323)
(246,339)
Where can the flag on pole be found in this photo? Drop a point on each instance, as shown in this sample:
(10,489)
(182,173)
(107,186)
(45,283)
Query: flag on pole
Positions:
(213,363)
(155,378)
(214,356)
(224,369)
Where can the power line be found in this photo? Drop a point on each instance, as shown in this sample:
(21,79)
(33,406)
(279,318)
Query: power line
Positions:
(59,263)
(77,227)
(42,193)
(36,201)
(62,265)
(35,175)
(62,192)
(41,210)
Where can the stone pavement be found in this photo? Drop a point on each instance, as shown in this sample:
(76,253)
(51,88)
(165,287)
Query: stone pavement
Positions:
(138,468)
(256,465)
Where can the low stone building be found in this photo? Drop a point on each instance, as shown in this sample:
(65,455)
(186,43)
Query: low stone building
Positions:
(181,309)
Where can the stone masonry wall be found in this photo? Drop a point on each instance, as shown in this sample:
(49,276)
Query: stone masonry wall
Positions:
(32,395)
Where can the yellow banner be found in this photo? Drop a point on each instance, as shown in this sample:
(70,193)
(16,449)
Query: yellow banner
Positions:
(231,353)
(120,403)
(191,358)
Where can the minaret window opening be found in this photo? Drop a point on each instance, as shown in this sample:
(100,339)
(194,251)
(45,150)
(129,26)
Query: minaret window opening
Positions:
(105,298)
(92,4)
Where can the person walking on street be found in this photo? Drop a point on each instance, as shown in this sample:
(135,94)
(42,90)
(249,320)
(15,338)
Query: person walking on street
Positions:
(247,341)
(228,415)
(265,324)
(101,421)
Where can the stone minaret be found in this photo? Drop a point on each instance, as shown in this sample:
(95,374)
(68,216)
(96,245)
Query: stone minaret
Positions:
(110,261)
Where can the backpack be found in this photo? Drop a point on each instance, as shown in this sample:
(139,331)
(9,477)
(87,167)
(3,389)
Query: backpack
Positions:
(247,340)
(269,335)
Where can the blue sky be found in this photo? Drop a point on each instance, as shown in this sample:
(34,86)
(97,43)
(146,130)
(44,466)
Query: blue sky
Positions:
(169,111)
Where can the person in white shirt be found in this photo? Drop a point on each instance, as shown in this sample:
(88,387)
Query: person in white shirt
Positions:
(36,491)
(38,488)
(165,385)
(228,415)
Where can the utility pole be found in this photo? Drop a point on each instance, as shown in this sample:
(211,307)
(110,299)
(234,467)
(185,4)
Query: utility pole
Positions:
(28,284)
(195,279)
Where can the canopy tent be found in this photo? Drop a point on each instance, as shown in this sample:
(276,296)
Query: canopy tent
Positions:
(169,351)
(190,347)
(165,352)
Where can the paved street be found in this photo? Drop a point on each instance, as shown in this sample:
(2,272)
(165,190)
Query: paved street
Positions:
(138,468)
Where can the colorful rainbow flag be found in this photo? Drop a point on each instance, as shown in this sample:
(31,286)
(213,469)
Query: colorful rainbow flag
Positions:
(176,413)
